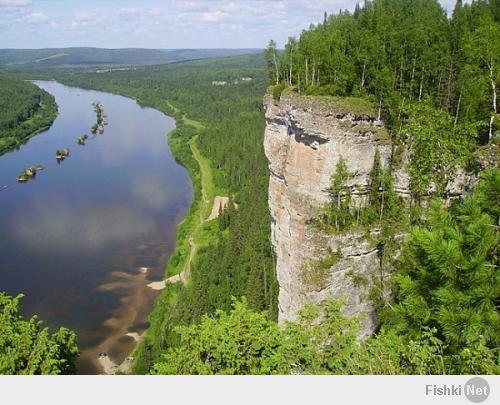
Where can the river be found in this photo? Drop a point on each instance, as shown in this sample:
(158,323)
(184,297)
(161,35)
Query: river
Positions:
(83,238)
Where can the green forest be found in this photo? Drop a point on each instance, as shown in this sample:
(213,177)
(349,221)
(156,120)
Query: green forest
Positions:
(25,110)
(433,79)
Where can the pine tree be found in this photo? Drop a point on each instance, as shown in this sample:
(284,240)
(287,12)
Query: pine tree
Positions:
(448,277)
(28,348)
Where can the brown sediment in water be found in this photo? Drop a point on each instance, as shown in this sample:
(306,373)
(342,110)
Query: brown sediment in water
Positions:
(126,325)
(133,310)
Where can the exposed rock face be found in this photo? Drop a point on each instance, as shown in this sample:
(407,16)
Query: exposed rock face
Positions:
(305,138)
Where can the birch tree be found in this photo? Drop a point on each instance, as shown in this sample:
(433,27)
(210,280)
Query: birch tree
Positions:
(271,57)
(482,50)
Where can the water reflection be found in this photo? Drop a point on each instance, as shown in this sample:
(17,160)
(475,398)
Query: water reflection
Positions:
(53,224)
(83,238)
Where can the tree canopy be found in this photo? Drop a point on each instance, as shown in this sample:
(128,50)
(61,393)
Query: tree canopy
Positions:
(24,109)
(26,347)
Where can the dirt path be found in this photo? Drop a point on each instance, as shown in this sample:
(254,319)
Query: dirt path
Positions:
(182,276)
(207,192)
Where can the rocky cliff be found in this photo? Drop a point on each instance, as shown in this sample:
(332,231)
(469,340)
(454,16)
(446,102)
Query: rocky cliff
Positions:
(305,138)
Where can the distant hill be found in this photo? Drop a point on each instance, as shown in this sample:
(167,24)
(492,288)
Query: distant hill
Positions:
(74,57)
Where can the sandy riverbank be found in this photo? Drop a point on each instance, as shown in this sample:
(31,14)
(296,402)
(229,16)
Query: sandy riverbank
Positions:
(220,202)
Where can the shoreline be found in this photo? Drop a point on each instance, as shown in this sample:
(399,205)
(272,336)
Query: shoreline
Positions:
(24,140)
(200,209)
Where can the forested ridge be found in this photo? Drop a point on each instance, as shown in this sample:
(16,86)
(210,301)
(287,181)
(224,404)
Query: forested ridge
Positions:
(24,110)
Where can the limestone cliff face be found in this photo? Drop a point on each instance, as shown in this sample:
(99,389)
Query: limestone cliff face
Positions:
(305,138)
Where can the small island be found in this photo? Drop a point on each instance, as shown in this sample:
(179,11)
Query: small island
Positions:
(62,154)
(101,118)
(81,139)
(29,173)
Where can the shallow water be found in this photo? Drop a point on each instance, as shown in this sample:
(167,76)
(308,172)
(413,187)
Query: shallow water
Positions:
(74,238)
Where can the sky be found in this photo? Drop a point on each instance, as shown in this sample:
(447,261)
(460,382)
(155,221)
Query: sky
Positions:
(160,24)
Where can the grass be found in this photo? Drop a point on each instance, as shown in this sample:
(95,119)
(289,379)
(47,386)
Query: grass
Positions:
(192,232)
(358,106)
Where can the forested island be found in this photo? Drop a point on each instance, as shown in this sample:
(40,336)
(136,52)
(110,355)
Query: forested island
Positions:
(25,110)
(101,118)
(428,85)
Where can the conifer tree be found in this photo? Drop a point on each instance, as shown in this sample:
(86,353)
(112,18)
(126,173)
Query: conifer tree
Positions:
(28,348)
(340,195)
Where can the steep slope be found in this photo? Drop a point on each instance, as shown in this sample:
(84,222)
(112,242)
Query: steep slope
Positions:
(304,140)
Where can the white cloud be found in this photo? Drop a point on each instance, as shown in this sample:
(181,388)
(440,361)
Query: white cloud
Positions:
(229,7)
(128,11)
(213,16)
(34,18)
(86,19)
(233,27)
(87,16)
(15,3)
(194,5)
(164,23)
(153,12)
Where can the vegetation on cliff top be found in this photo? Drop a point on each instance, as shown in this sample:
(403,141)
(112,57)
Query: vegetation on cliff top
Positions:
(413,62)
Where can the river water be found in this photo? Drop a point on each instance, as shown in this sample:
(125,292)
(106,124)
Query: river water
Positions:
(83,238)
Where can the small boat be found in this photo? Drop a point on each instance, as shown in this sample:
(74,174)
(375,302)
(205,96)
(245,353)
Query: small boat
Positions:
(2,188)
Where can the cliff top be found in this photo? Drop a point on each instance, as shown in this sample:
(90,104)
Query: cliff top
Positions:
(323,116)
(358,107)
